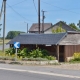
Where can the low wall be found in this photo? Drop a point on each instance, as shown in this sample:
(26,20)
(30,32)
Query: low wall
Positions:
(30,62)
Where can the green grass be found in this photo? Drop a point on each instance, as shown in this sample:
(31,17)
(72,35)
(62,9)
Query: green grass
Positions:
(74,62)
(2,53)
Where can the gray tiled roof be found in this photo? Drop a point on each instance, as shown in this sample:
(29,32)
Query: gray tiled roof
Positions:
(71,39)
(47,39)
(34,26)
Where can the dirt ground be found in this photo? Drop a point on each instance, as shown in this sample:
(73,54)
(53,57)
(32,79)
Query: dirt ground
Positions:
(73,66)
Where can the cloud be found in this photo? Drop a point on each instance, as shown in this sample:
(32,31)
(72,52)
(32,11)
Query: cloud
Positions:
(58,19)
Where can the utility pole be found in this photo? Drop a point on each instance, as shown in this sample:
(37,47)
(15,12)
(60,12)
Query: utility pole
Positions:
(43,17)
(4,24)
(79,24)
(39,15)
(0,30)
(27,27)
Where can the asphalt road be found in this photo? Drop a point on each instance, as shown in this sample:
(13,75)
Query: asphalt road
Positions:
(14,75)
(6,47)
(15,72)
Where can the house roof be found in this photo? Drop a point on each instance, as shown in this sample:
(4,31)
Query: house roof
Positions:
(73,32)
(46,39)
(64,26)
(71,39)
(34,27)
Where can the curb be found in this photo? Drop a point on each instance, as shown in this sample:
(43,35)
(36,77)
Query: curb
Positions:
(54,62)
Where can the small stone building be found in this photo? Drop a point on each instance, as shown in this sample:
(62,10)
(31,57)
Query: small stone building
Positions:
(60,45)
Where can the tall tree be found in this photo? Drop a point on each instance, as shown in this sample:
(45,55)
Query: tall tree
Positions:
(12,34)
(59,29)
(72,25)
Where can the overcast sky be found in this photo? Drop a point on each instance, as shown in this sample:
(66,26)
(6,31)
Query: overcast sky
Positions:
(21,12)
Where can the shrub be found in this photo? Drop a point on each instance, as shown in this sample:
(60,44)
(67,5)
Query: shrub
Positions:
(23,53)
(50,57)
(36,53)
(10,51)
(31,55)
(76,57)
(44,53)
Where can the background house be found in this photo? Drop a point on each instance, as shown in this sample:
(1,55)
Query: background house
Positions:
(48,27)
(61,24)
(34,28)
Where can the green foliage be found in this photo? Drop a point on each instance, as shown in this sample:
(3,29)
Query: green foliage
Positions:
(50,57)
(63,22)
(44,52)
(41,54)
(12,34)
(76,57)
(59,29)
(23,53)
(10,51)
(72,25)
(36,53)
(31,55)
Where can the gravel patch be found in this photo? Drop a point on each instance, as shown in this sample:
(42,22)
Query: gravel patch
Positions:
(72,66)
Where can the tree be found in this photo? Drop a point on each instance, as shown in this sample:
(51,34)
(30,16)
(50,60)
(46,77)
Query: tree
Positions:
(12,34)
(63,22)
(72,25)
(59,29)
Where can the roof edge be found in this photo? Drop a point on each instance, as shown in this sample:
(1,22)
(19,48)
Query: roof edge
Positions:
(57,23)
(73,32)
(61,38)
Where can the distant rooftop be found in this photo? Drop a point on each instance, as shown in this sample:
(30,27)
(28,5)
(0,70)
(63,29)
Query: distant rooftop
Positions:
(34,26)
(64,26)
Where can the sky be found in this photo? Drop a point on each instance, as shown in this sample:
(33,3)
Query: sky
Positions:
(21,12)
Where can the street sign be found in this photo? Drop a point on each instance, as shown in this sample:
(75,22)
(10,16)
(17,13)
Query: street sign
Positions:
(47,45)
(16,44)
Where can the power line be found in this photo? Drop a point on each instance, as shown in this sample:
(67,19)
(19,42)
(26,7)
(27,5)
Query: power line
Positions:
(19,14)
(19,3)
(35,6)
(60,8)
(1,10)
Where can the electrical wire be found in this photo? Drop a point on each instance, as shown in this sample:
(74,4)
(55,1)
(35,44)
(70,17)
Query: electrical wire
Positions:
(35,6)
(60,8)
(1,11)
(19,14)
(19,3)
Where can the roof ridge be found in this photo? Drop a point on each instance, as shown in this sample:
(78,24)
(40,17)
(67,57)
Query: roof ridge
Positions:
(42,33)
(58,23)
